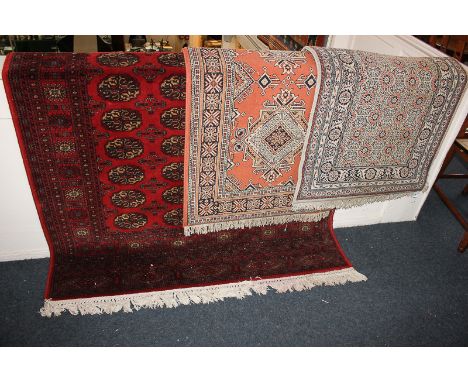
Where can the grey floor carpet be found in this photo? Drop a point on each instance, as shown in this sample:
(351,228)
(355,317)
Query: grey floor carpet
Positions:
(416,295)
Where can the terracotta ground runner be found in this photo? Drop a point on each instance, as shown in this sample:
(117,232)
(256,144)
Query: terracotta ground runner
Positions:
(102,138)
(247,117)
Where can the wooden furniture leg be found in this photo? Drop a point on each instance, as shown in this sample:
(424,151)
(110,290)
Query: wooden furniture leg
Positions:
(456,45)
(463,243)
(447,161)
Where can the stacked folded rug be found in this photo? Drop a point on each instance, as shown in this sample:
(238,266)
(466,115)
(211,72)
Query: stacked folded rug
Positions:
(163,179)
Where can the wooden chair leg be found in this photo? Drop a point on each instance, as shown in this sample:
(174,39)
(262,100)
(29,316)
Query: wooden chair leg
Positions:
(447,160)
(451,206)
(463,243)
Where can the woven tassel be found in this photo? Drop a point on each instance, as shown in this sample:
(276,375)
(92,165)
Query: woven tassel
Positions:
(257,222)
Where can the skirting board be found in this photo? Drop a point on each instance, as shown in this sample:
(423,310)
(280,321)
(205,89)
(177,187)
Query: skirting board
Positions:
(29,254)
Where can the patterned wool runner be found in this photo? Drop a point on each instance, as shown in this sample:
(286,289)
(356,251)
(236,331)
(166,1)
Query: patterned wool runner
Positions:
(376,126)
(247,116)
(102,141)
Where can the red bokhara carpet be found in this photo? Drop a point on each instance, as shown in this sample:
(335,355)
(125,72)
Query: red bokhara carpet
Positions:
(102,141)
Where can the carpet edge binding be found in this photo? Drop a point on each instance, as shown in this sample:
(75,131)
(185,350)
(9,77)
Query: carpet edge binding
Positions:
(198,295)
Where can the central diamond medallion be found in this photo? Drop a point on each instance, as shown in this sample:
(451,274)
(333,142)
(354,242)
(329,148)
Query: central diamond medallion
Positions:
(278,138)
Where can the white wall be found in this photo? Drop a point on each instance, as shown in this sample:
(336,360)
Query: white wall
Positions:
(21,235)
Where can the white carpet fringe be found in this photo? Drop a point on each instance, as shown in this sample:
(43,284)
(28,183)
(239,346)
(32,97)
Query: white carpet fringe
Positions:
(257,222)
(343,203)
(198,295)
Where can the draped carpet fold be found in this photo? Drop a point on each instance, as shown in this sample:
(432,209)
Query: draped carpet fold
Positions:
(376,125)
(102,139)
